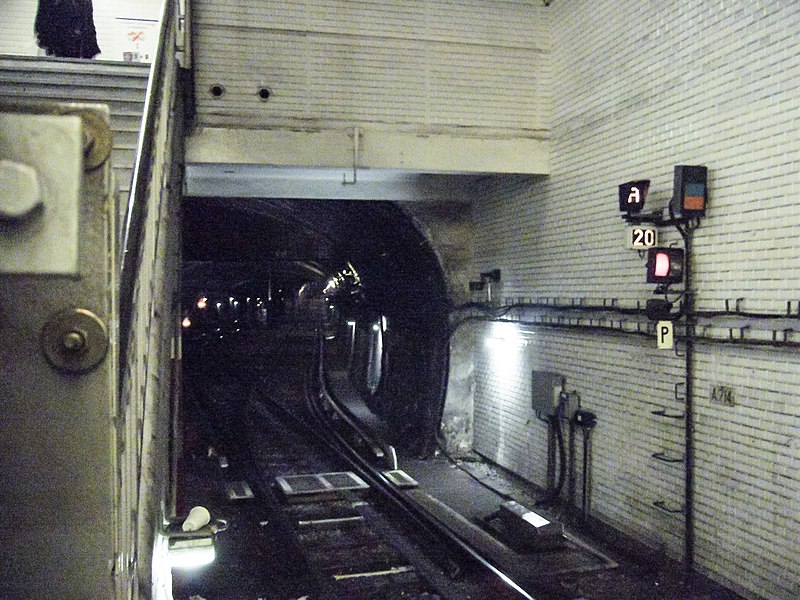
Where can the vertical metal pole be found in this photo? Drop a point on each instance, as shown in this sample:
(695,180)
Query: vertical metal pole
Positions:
(571,479)
(688,558)
(551,457)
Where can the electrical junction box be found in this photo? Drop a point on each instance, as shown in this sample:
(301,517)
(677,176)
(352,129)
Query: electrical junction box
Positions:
(545,389)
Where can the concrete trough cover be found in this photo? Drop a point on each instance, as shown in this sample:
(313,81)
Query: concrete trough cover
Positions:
(400,478)
(318,486)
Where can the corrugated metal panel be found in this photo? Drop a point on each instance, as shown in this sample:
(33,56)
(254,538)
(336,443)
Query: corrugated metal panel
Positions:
(418,65)
(121,86)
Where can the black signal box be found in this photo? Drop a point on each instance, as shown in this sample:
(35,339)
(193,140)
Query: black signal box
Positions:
(689,191)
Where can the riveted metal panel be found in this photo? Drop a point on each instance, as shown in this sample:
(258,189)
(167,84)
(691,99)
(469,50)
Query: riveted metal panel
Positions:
(57,430)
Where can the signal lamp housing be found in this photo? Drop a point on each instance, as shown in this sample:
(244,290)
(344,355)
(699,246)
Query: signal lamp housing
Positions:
(690,191)
(632,196)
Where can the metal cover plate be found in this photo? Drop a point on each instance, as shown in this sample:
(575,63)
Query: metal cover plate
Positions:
(400,478)
(320,484)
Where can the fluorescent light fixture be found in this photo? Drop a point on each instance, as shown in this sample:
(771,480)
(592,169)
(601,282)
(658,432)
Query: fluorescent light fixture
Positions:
(505,336)
(191,553)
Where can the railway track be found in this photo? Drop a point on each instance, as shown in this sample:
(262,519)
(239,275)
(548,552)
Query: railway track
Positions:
(354,545)
(311,512)
(303,520)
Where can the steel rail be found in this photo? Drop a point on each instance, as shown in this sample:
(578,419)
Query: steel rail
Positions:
(389,491)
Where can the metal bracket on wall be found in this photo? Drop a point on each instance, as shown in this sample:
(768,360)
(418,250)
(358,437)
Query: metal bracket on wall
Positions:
(356,144)
(665,414)
(662,506)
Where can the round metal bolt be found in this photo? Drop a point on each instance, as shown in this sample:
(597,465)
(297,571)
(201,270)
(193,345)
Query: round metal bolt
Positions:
(74,341)
(20,195)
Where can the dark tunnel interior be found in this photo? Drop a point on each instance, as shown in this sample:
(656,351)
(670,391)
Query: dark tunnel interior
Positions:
(357,277)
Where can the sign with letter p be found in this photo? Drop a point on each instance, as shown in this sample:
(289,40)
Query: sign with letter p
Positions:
(665,335)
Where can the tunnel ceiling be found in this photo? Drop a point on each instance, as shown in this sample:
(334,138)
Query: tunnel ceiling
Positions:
(296,238)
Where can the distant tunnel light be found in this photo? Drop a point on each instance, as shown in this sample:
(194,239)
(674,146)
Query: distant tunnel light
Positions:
(186,323)
(665,265)
(202,303)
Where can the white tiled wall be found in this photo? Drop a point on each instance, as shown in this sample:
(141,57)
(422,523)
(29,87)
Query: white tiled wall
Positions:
(422,64)
(638,88)
(17,17)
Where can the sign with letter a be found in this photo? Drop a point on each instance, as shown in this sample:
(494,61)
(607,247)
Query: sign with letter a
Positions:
(664,335)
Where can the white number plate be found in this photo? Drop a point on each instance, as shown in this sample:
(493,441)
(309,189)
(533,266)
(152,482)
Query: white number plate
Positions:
(641,237)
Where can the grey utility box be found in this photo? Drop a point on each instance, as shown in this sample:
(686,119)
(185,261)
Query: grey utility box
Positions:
(545,389)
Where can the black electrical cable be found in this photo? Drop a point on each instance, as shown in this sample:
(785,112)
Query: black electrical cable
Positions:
(555,422)
(587,445)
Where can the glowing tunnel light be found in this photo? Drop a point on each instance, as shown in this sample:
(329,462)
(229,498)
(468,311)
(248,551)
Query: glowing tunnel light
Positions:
(191,554)
(506,357)
(505,336)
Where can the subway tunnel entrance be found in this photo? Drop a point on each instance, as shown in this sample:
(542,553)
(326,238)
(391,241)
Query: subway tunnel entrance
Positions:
(267,279)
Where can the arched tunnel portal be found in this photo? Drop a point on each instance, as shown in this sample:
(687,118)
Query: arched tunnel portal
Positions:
(361,273)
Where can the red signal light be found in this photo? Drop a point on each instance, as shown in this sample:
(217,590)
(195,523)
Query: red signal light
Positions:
(665,265)
(662,265)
